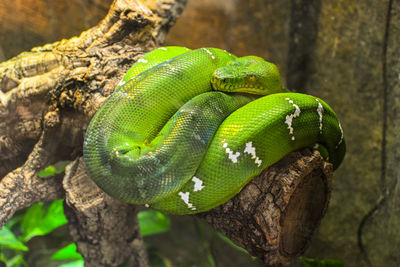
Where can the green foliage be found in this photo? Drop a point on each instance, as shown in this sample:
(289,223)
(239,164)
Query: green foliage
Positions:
(38,220)
(158,260)
(321,263)
(227,240)
(67,253)
(78,263)
(57,168)
(50,170)
(15,261)
(9,240)
(41,219)
(153,222)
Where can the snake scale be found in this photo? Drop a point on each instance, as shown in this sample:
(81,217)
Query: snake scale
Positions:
(185,130)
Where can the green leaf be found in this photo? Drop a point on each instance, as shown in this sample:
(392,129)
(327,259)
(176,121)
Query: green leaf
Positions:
(78,263)
(49,170)
(41,219)
(158,260)
(67,253)
(227,240)
(9,240)
(15,220)
(57,168)
(153,222)
(321,263)
(16,261)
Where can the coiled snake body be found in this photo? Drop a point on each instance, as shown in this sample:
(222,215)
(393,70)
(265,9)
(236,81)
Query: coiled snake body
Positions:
(185,130)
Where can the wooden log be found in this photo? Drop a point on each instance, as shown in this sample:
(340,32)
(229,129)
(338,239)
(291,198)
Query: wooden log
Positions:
(275,215)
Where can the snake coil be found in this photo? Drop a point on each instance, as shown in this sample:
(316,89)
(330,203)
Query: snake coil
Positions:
(185,130)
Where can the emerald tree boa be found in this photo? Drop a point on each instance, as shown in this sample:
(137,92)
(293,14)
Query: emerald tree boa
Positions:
(185,130)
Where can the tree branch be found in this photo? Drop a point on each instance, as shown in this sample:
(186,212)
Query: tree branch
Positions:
(105,230)
(274,216)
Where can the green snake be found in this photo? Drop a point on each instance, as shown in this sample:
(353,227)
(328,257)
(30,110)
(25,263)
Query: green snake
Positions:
(185,130)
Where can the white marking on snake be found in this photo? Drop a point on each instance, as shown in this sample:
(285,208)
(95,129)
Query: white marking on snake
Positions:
(142,60)
(233,156)
(147,205)
(209,52)
(341,137)
(124,96)
(163,48)
(227,52)
(185,198)
(198,184)
(316,146)
(320,110)
(289,118)
(252,151)
(121,83)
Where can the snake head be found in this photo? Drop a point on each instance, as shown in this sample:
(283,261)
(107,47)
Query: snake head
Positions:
(248,74)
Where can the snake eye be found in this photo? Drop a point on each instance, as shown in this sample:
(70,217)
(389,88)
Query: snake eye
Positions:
(251,78)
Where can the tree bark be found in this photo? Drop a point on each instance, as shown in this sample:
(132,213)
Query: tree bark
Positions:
(274,215)
(48,96)
(105,230)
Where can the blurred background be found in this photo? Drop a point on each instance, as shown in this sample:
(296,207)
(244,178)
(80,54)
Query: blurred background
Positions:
(345,52)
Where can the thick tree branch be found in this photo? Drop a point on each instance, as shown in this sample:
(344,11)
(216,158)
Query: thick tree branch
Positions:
(105,230)
(274,216)
(22,187)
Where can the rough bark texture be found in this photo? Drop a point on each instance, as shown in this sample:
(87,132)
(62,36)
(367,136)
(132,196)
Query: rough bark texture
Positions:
(105,230)
(275,215)
(48,96)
